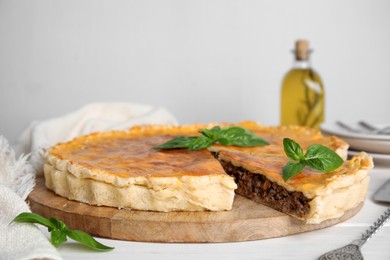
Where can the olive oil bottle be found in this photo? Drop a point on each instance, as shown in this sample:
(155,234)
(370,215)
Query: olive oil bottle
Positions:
(302,94)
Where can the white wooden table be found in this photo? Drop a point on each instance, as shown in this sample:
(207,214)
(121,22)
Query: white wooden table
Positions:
(302,246)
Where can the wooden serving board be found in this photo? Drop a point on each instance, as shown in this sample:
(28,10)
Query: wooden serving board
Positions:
(246,221)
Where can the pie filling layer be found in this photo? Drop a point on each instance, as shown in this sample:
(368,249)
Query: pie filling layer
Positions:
(258,188)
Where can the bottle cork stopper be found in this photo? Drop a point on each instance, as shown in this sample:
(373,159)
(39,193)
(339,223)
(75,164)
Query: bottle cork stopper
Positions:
(302,49)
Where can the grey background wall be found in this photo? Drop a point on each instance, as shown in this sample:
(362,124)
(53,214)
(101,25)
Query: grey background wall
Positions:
(202,60)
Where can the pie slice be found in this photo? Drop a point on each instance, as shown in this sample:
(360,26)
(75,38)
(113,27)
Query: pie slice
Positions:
(311,196)
(121,169)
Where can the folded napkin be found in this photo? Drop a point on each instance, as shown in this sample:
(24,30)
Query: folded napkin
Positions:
(91,118)
(17,176)
(17,240)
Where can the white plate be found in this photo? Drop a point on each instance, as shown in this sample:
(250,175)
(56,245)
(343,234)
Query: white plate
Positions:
(379,159)
(360,142)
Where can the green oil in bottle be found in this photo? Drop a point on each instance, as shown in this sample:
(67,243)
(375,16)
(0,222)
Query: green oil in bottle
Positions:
(302,94)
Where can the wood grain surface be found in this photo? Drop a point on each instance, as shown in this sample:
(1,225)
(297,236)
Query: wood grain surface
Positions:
(246,221)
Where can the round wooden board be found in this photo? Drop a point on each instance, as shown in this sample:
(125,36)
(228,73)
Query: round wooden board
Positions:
(246,221)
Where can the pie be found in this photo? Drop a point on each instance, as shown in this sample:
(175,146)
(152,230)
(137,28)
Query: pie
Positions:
(122,169)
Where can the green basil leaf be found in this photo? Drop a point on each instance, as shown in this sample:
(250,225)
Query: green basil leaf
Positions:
(57,237)
(59,224)
(201,142)
(216,129)
(177,143)
(291,169)
(321,158)
(212,134)
(27,217)
(292,149)
(87,240)
(59,231)
(239,136)
(228,134)
(232,135)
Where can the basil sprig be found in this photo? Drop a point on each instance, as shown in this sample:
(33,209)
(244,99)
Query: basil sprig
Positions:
(317,157)
(231,135)
(59,231)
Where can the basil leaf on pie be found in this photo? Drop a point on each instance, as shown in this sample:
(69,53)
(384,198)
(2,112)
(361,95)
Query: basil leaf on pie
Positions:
(317,157)
(293,149)
(321,158)
(177,142)
(291,169)
(200,142)
(232,135)
(239,136)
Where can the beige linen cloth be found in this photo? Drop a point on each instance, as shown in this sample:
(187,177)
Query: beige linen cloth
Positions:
(17,174)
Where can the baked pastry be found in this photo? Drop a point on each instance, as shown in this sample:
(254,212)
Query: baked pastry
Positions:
(121,169)
(310,195)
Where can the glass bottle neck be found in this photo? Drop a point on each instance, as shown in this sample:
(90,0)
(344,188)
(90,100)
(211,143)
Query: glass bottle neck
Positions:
(301,64)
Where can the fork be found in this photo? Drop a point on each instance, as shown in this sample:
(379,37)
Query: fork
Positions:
(352,250)
(375,130)
(347,127)
(365,128)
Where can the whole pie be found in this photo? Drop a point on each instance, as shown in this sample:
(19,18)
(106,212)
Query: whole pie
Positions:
(122,169)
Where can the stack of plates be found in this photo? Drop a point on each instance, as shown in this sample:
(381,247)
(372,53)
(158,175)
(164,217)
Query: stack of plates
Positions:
(378,146)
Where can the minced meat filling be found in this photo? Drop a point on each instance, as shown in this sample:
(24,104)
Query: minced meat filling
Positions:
(258,188)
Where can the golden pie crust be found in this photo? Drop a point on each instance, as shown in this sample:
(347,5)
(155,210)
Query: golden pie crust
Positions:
(121,169)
